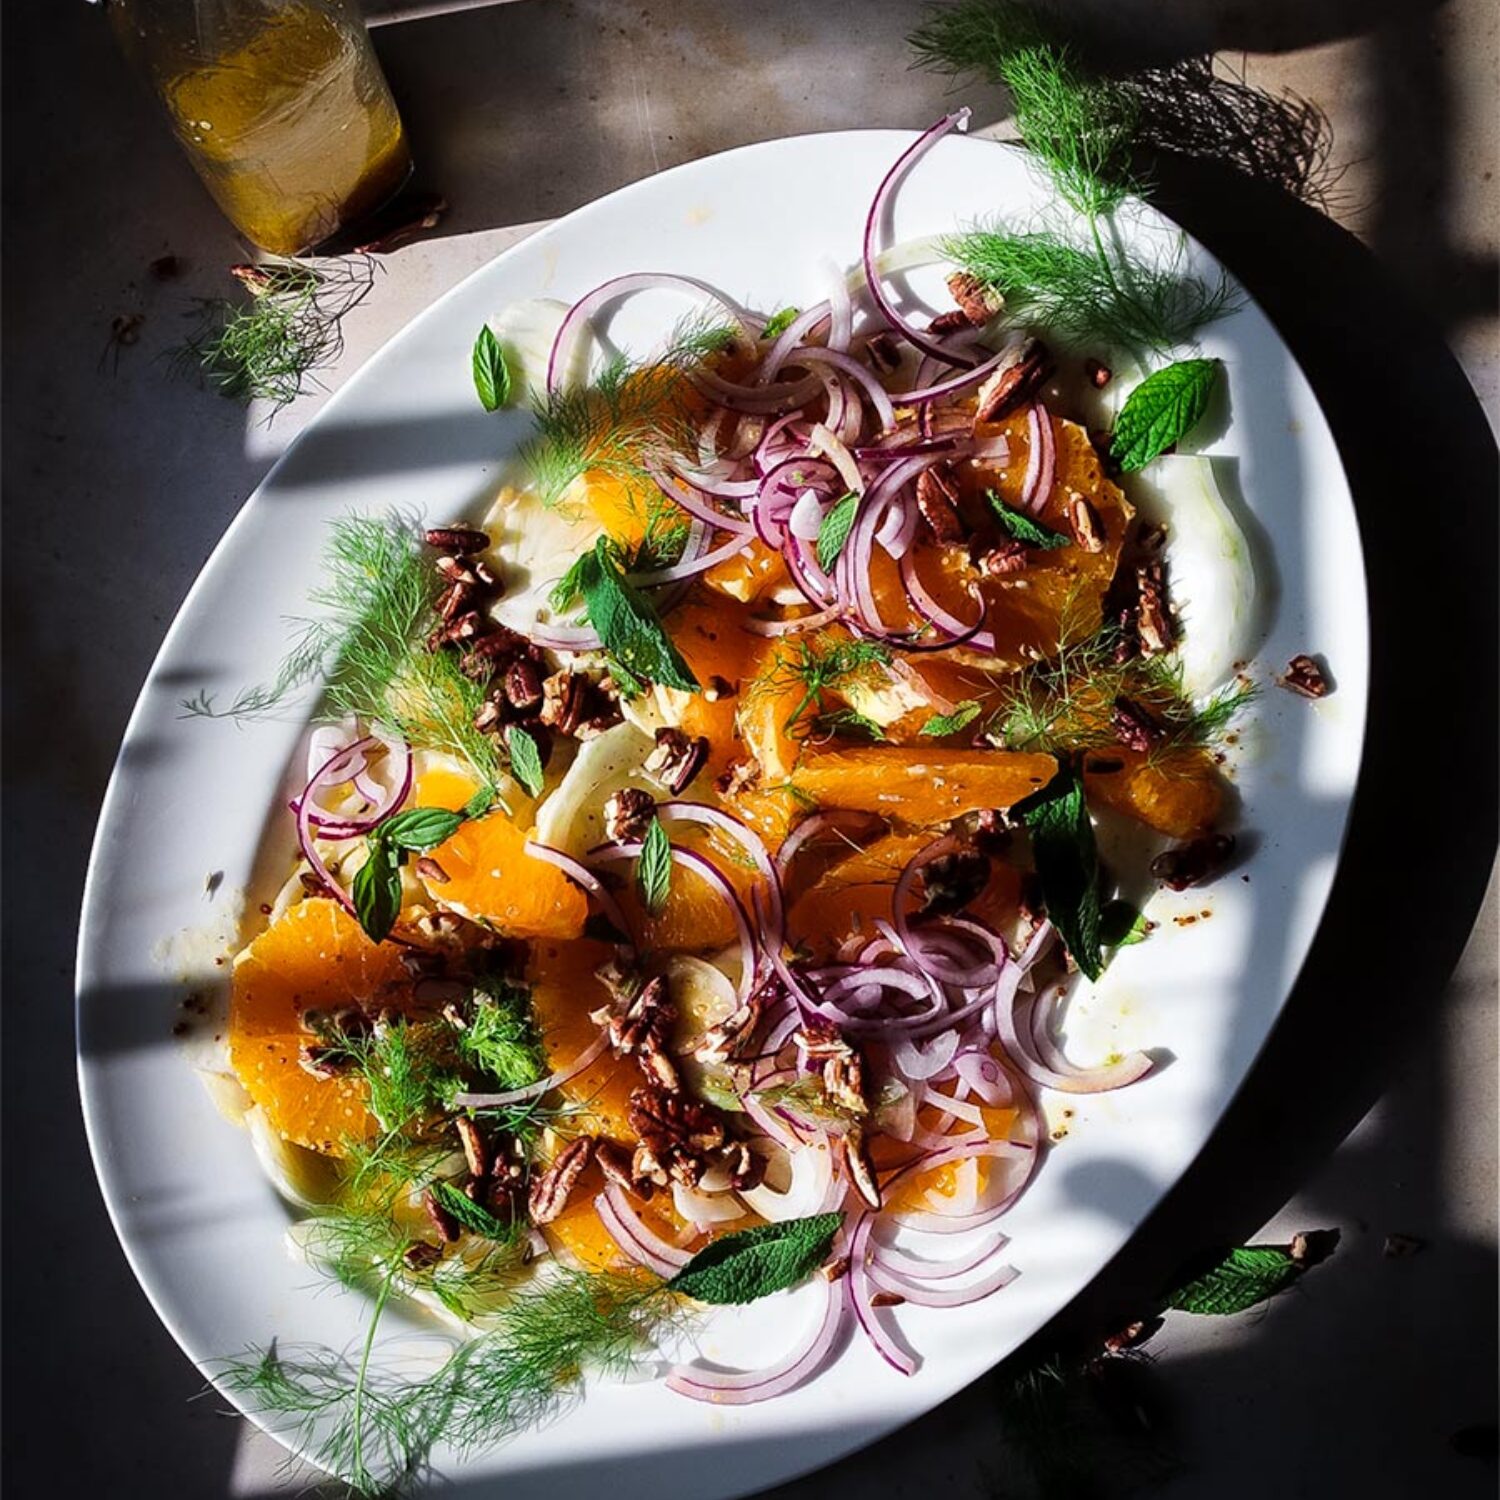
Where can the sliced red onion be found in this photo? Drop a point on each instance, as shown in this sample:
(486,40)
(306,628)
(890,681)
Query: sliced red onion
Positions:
(690,501)
(334,771)
(847,365)
(1070,1079)
(796,624)
(873,222)
(892,1259)
(628,1230)
(918,1063)
(691,569)
(821,440)
(937,1222)
(924,395)
(923,1294)
(541,1086)
(757,400)
(580,874)
(583,310)
(1041,457)
(742,834)
(790,338)
(798,1365)
(820,822)
(860,1294)
(934,613)
(806,520)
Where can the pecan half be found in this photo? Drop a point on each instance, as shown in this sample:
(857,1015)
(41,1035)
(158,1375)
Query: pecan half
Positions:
(1083,521)
(1304,675)
(628,813)
(1016,380)
(489,716)
(746,1169)
(523,685)
(1152,623)
(642,1023)
(975,300)
(859,1169)
(487,653)
(550,1192)
(883,352)
(458,598)
(676,760)
(937,499)
(565,702)
(459,540)
(997,562)
(421,1255)
(1136,727)
(1192,863)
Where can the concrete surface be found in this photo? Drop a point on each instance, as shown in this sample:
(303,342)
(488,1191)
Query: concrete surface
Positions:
(1374,1110)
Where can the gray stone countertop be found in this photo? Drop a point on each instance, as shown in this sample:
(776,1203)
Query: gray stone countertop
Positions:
(1377,1377)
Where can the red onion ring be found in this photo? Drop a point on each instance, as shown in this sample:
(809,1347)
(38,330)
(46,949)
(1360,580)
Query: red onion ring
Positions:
(541,1086)
(630,1233)
(860,1294)
(580,874)
(908,158)
(798,1365)
(922,1294)
(1072,1079)
(1041,458)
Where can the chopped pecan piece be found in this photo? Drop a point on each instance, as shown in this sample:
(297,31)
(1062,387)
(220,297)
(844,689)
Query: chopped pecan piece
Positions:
(565,701)
(1136,727)
(1099,374)
(459,540)
(643,1022)
(883,352)
(1191,864)
(606,714)
(951,881)
(746,1169)
(731,1036)
(444,1222)
(676,760)
(1304,675)
(886,1299)
(324,1061)
(454,602)
(949,322)
(937,499)
(618,1167)
(455,572)
(717,688)
(841,1065)
(523,685)
(739,776)
(476,1151)
(550,1192)
(975,300)
(859,1169)
(487,653)
(628,813)
(489,716)
(455,632)
(998,561)
(1152,623)
(1014,382)
(992,831)
(1083,521)
(429,869)
(834,1270)
(421,1255)
(677,1134)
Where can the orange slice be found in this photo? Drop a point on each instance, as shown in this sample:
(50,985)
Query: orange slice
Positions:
(315,957)
(921,786)
(1177,792)
(492,879)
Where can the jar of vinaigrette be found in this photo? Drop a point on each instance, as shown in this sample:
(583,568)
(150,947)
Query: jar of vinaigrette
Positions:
(280,105)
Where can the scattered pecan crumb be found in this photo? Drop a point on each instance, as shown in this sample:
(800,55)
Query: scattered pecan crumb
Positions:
(1099,374)
(421,1255)
(739,776)
(949,322)
(1305,676)
(835,1270)
(429,869)
(564,701)
(859,1169)
(676,759)
(883,352)
(886,1299)
(1190,864)
(457,540)
(1135,726)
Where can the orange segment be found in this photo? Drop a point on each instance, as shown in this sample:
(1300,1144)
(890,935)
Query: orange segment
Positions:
(766,705)
(442,786)
(710,635)
(315,957)
(921,786)
(749,574)
(823,917)
(1179,793)
(491,879)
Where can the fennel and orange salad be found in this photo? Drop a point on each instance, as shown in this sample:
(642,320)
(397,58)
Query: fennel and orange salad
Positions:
(697,849)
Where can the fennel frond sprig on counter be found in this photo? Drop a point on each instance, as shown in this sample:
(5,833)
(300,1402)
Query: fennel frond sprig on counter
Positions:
(1081,128)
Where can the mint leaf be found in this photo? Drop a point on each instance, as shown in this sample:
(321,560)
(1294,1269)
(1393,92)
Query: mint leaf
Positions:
(838,522)
(418,829)
(491,373)
(1246,1276)
(653,870)
(1121,924)
(752,1264)
(1161,411)
(525,759)
(471,1215)
(480,803)
(627,623)
(1021,528)
(779,322)
(962,716)
(1067,864)
(377,892)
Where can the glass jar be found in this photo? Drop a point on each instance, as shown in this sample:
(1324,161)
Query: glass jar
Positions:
(280,105)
